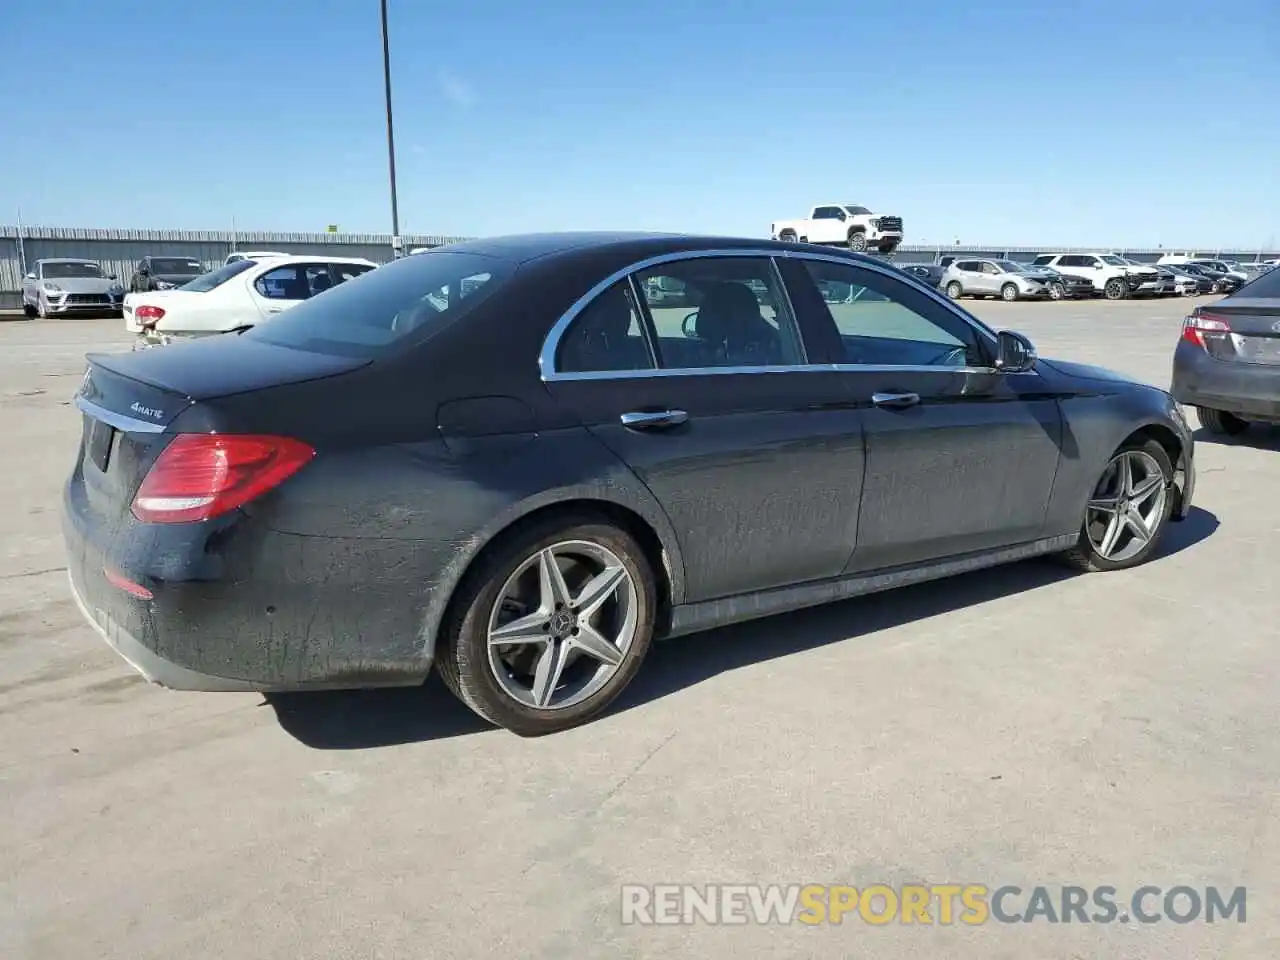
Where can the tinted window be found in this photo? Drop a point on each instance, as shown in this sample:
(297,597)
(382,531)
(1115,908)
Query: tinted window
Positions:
(732,314)
(217,277)
(608,335)
(294,281)
(1045,260)
(171,265)
(1264,285)
(856,210)
(372,314)
(884,321)
(70,270)
(349,271)
(969,266)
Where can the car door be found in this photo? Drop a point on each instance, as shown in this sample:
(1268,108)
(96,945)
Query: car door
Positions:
(748,441)
(991,278)
(960,458)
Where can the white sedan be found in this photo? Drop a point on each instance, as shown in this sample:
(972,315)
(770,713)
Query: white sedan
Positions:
(237,294)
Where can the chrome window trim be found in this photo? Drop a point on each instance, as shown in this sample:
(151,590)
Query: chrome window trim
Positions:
(546,358)
(118,420)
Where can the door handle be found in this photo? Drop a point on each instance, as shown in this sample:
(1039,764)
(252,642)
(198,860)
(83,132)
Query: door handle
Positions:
(895,401)
(274,309)
(653,419)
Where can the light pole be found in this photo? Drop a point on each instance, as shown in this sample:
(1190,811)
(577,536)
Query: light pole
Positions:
(397,245)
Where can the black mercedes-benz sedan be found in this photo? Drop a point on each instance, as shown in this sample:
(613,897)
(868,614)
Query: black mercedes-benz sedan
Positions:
(1227,361)
(505,460)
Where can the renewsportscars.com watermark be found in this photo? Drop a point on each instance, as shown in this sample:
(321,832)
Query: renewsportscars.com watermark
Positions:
(942,904)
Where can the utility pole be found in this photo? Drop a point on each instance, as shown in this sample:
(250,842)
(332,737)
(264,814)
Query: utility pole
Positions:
(397,245)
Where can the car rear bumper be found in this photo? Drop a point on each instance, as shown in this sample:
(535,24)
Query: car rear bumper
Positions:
(280,628)
(1248,390)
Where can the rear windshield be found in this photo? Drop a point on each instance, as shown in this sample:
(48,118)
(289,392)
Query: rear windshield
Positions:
(372,314)
(169,265)
(216,278)
(1265,285)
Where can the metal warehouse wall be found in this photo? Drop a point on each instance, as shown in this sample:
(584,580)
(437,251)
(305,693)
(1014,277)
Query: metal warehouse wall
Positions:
(120,250)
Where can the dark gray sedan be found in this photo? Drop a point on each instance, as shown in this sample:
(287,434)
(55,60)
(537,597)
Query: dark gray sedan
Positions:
(364,489)
(1227,362)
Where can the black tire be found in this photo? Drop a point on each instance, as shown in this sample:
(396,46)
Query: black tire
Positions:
(954,290)
(462,649)
(857,241)
(888,247)
(1220,422)
(1057,291)
(28,311)
(1115,289)
(1009,292)
(1085,558)
(787,236)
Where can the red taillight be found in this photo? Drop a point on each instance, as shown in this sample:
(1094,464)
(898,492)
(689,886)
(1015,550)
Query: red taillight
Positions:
(148,316)
(1197,325)
(203,475)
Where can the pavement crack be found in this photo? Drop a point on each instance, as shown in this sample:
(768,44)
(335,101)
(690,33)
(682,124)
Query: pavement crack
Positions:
(634,770)
(31,573)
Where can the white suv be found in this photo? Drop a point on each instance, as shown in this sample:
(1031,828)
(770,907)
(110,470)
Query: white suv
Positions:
(1110,275)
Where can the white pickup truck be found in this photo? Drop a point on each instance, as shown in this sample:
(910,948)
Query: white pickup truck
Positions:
(842,224)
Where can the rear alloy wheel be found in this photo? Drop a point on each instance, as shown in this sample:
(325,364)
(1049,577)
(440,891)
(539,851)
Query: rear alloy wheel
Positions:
(551,627)
(1115,289)
(1057,292)
(954,290)
(1128,510)
(857,240)
(1009,292)
(1220,422)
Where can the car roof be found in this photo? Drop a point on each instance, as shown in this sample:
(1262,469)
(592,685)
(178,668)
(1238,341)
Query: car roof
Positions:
(313,258)
(521,248)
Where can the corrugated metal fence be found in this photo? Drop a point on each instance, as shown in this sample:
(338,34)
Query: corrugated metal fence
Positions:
(120,250)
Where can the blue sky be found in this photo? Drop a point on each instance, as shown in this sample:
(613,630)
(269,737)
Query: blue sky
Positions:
(1126,123)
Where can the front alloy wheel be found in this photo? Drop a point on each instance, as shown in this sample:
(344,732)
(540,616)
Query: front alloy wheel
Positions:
(1115,289)
(954,290)
(1128,510)
(1056,291)
(1009,292)
(555,626)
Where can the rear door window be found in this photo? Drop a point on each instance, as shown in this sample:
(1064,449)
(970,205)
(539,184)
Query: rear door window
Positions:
(373,314)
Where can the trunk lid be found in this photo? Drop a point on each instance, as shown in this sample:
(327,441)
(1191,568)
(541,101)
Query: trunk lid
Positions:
(1255,330)
(128,400)
(222,365)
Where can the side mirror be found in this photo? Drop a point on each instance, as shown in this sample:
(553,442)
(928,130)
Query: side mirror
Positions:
(29,276)
(1014,352)
(112,276)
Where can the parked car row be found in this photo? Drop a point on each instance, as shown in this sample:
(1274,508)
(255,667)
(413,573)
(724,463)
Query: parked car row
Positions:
(1070,276)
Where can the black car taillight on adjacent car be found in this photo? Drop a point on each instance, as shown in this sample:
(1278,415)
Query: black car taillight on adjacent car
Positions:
(200,476)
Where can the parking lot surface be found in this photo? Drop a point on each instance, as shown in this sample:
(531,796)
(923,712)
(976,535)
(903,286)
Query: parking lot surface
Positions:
(1015,726)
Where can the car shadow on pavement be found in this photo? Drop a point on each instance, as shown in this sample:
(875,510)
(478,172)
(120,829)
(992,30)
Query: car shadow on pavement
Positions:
(365,719)
(1261,435)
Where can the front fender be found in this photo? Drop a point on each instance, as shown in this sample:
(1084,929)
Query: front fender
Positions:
(1095,424)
